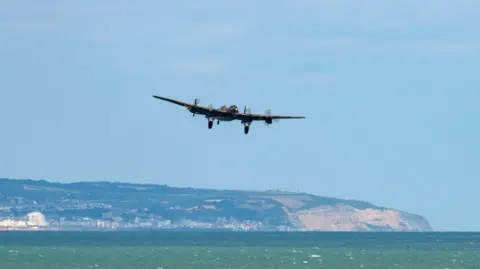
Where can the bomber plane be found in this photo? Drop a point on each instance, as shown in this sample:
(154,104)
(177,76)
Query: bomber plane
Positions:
(228,113)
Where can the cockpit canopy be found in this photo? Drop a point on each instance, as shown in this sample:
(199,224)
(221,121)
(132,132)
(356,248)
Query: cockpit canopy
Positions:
(230,109)
(233,109)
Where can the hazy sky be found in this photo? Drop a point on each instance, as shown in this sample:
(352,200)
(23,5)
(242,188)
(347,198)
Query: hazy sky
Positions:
(390,90)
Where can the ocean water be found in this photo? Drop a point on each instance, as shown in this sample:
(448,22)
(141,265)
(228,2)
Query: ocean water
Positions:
(212,250)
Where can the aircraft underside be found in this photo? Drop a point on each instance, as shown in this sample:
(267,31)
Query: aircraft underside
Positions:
(219,119)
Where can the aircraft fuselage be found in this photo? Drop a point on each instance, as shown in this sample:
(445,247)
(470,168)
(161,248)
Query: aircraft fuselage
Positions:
(214,114)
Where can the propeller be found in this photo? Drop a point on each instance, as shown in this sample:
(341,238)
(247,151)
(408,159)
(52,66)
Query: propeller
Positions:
(268,112)
(196,101)
(246,110)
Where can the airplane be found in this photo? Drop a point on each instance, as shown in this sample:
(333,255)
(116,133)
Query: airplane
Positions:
(228,113)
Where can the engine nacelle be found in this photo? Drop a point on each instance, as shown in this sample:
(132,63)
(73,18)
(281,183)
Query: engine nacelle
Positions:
(269,121)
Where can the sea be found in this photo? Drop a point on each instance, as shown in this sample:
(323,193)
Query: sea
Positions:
(235,250)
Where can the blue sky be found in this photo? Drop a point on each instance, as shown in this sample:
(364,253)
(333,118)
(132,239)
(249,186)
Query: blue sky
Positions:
(390,90)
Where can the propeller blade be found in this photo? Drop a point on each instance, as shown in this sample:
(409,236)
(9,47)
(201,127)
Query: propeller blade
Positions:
(269,113)
(196,101)
(210,106)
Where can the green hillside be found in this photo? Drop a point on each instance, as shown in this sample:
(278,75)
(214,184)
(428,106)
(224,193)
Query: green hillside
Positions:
(107,200)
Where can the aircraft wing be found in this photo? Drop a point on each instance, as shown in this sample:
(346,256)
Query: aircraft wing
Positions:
(285,117)
(198,109)
(180,103)
(262,117)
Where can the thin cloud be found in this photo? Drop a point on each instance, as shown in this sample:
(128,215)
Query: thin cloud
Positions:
(220,20)
(198,66)
(219,30)
(379,14)
(248,34)
(377,45)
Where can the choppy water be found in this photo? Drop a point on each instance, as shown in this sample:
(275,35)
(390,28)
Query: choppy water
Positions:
(212,250)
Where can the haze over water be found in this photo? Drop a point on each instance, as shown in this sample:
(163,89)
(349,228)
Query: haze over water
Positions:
(184,250)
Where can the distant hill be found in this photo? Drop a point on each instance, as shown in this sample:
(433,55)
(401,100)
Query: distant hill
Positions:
(133,202)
